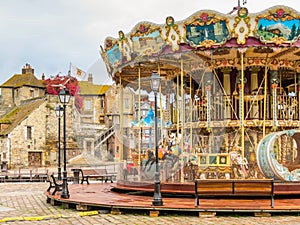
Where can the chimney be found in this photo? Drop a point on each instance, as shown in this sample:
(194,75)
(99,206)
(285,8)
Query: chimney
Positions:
(90,78)
(43,76)
(27,69)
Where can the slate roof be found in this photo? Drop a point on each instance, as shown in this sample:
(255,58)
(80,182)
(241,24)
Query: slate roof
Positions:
(18,114)
(19,80)
(88,88)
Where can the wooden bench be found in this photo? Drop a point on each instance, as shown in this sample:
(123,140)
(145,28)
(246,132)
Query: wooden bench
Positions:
(53,183)
(231,187)
(98,174)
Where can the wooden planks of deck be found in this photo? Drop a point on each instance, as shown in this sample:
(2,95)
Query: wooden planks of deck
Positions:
(101,195)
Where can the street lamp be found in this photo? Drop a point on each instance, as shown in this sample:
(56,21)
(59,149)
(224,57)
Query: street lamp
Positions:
(157,200)
(59,113)
(64,97)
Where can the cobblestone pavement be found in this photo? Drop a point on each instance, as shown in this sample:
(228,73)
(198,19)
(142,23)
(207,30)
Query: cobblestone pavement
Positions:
(25,203)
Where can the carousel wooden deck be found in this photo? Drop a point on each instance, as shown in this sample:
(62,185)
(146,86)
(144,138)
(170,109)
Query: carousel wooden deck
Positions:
(102,196)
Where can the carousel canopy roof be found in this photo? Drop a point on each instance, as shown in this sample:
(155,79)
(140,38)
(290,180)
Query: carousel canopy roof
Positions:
(206,39)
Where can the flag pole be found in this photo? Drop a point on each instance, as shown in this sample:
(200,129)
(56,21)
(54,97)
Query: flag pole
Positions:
(69,72)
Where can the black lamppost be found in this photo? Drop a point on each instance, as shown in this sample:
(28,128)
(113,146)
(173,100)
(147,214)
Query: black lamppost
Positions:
(59,113)
(64,97)
(157,200)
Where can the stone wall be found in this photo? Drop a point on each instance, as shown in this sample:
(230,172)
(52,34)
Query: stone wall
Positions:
(20,145)
(7,97)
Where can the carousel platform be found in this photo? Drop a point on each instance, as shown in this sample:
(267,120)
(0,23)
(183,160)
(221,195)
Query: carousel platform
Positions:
(178,198)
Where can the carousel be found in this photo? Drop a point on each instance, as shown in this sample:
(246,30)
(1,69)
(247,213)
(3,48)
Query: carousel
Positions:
(227,105)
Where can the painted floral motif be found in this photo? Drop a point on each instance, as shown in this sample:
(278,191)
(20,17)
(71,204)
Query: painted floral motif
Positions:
(109,44)
(204,17)
(280,13)
(142,30)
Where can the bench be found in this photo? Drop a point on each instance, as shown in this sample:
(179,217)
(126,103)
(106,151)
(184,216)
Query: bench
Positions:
(232,188)
(53,183)
(98,174)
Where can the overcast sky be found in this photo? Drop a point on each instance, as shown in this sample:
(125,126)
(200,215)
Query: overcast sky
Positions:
(51,34)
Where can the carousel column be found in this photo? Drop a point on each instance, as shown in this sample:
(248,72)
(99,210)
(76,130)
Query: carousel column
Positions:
(161,111)
(298,84)
(274,83)
(254,113)
(177,108)
(139,127)
(226,86)
(168,105)
(208,84)
(182,121)
(191,150)
(241,81)
(265,97)
(121,149)
(244,81)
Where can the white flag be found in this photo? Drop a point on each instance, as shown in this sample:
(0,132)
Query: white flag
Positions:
(76,72)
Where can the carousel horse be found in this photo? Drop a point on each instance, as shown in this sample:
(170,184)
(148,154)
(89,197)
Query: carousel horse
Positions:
(170,157)
(150,161)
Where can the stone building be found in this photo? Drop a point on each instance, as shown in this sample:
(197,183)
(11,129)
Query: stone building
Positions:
(22,87)
(90,122)
(28,123)
(29,134)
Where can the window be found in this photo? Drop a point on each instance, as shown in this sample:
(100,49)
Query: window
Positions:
(87,105)
(88,147)
(126,102)
(29,133)
(31,93)
(101,103)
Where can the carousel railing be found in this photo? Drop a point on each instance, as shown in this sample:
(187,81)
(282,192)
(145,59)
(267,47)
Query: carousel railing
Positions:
(228,107)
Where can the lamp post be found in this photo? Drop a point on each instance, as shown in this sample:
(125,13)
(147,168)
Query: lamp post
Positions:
(64,97)
(157,200)
(59,113)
